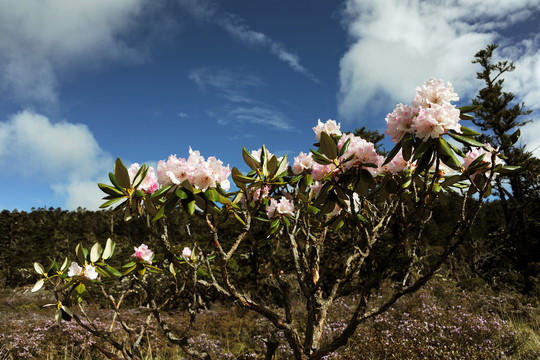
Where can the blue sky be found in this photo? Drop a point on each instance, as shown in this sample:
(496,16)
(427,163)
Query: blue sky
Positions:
(82,82)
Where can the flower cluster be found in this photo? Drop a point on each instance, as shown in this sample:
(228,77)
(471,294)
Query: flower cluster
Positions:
(430,116)
(149,184)
(358,153)
(186,253)
(476,152)
(330,127)
(143,253)
(361,151)
(398,164)
(201,173)
(282,207)
(88,271)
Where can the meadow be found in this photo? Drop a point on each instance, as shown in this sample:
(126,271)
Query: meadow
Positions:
(445,320)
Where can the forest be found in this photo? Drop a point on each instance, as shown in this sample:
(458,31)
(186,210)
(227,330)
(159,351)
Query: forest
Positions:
(460,287)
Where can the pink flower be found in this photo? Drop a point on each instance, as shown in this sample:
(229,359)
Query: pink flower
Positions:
(434,92)
(282,207)
(319,171)
(200,173)
(330,127)
(362,152)
(475,153)
(398,164)
(143,253)
(260,193)
(186,253)
(149,184)
(89,272)
(74,269)
(434,121)
(302,162)
(399,122)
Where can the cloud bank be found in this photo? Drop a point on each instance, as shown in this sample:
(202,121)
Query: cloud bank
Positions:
(41,38)
(397,45)
(35,150)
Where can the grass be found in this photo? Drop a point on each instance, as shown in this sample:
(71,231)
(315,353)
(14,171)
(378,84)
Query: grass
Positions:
(439,322)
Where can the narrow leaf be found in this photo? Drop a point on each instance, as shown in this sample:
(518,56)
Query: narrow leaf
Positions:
(121,174)
(38,285)
(466,140)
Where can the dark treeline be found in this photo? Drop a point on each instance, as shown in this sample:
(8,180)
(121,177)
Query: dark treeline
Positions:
(490,256)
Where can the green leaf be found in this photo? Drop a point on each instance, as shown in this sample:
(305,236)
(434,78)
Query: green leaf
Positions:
(240,179)
(250,160)
(129,264)
(508,168)
(392,153)
(466,140)
(424,162)
(344,147)
(67,312)
(270,167)
(110,190)
(121,174)
(110,202)
(201,272)
(140,176)
(79,251)
(80,289)
(109,249)
(469,108)
(64,265)
(451,180)
(237,217)
(161,191)
(95,252)
(180,193)
(211,194)
(286,221)
(328,146)
(58,316)
(282,167)
(190,207)
(407,145)
(468,132)
(320,158)
(113,271)
(447,156)
(515,137)
(39,268)
(38,285)
(457,150)
(115,182)
(421,149)
(129,270)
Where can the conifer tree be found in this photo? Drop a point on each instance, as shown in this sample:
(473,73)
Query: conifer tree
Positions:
(501,116)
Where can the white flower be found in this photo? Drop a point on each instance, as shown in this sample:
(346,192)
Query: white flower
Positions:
(186,253)
(88,271)
(74,269)
(330,127)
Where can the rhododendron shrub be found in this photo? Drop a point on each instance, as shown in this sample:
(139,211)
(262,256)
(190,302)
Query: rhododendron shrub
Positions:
(337,220)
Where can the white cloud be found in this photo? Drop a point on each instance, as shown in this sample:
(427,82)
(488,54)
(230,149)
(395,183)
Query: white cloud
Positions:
(524,82)
(231,85)
(41,38)
(397,45)
(65,155)
(261,115)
